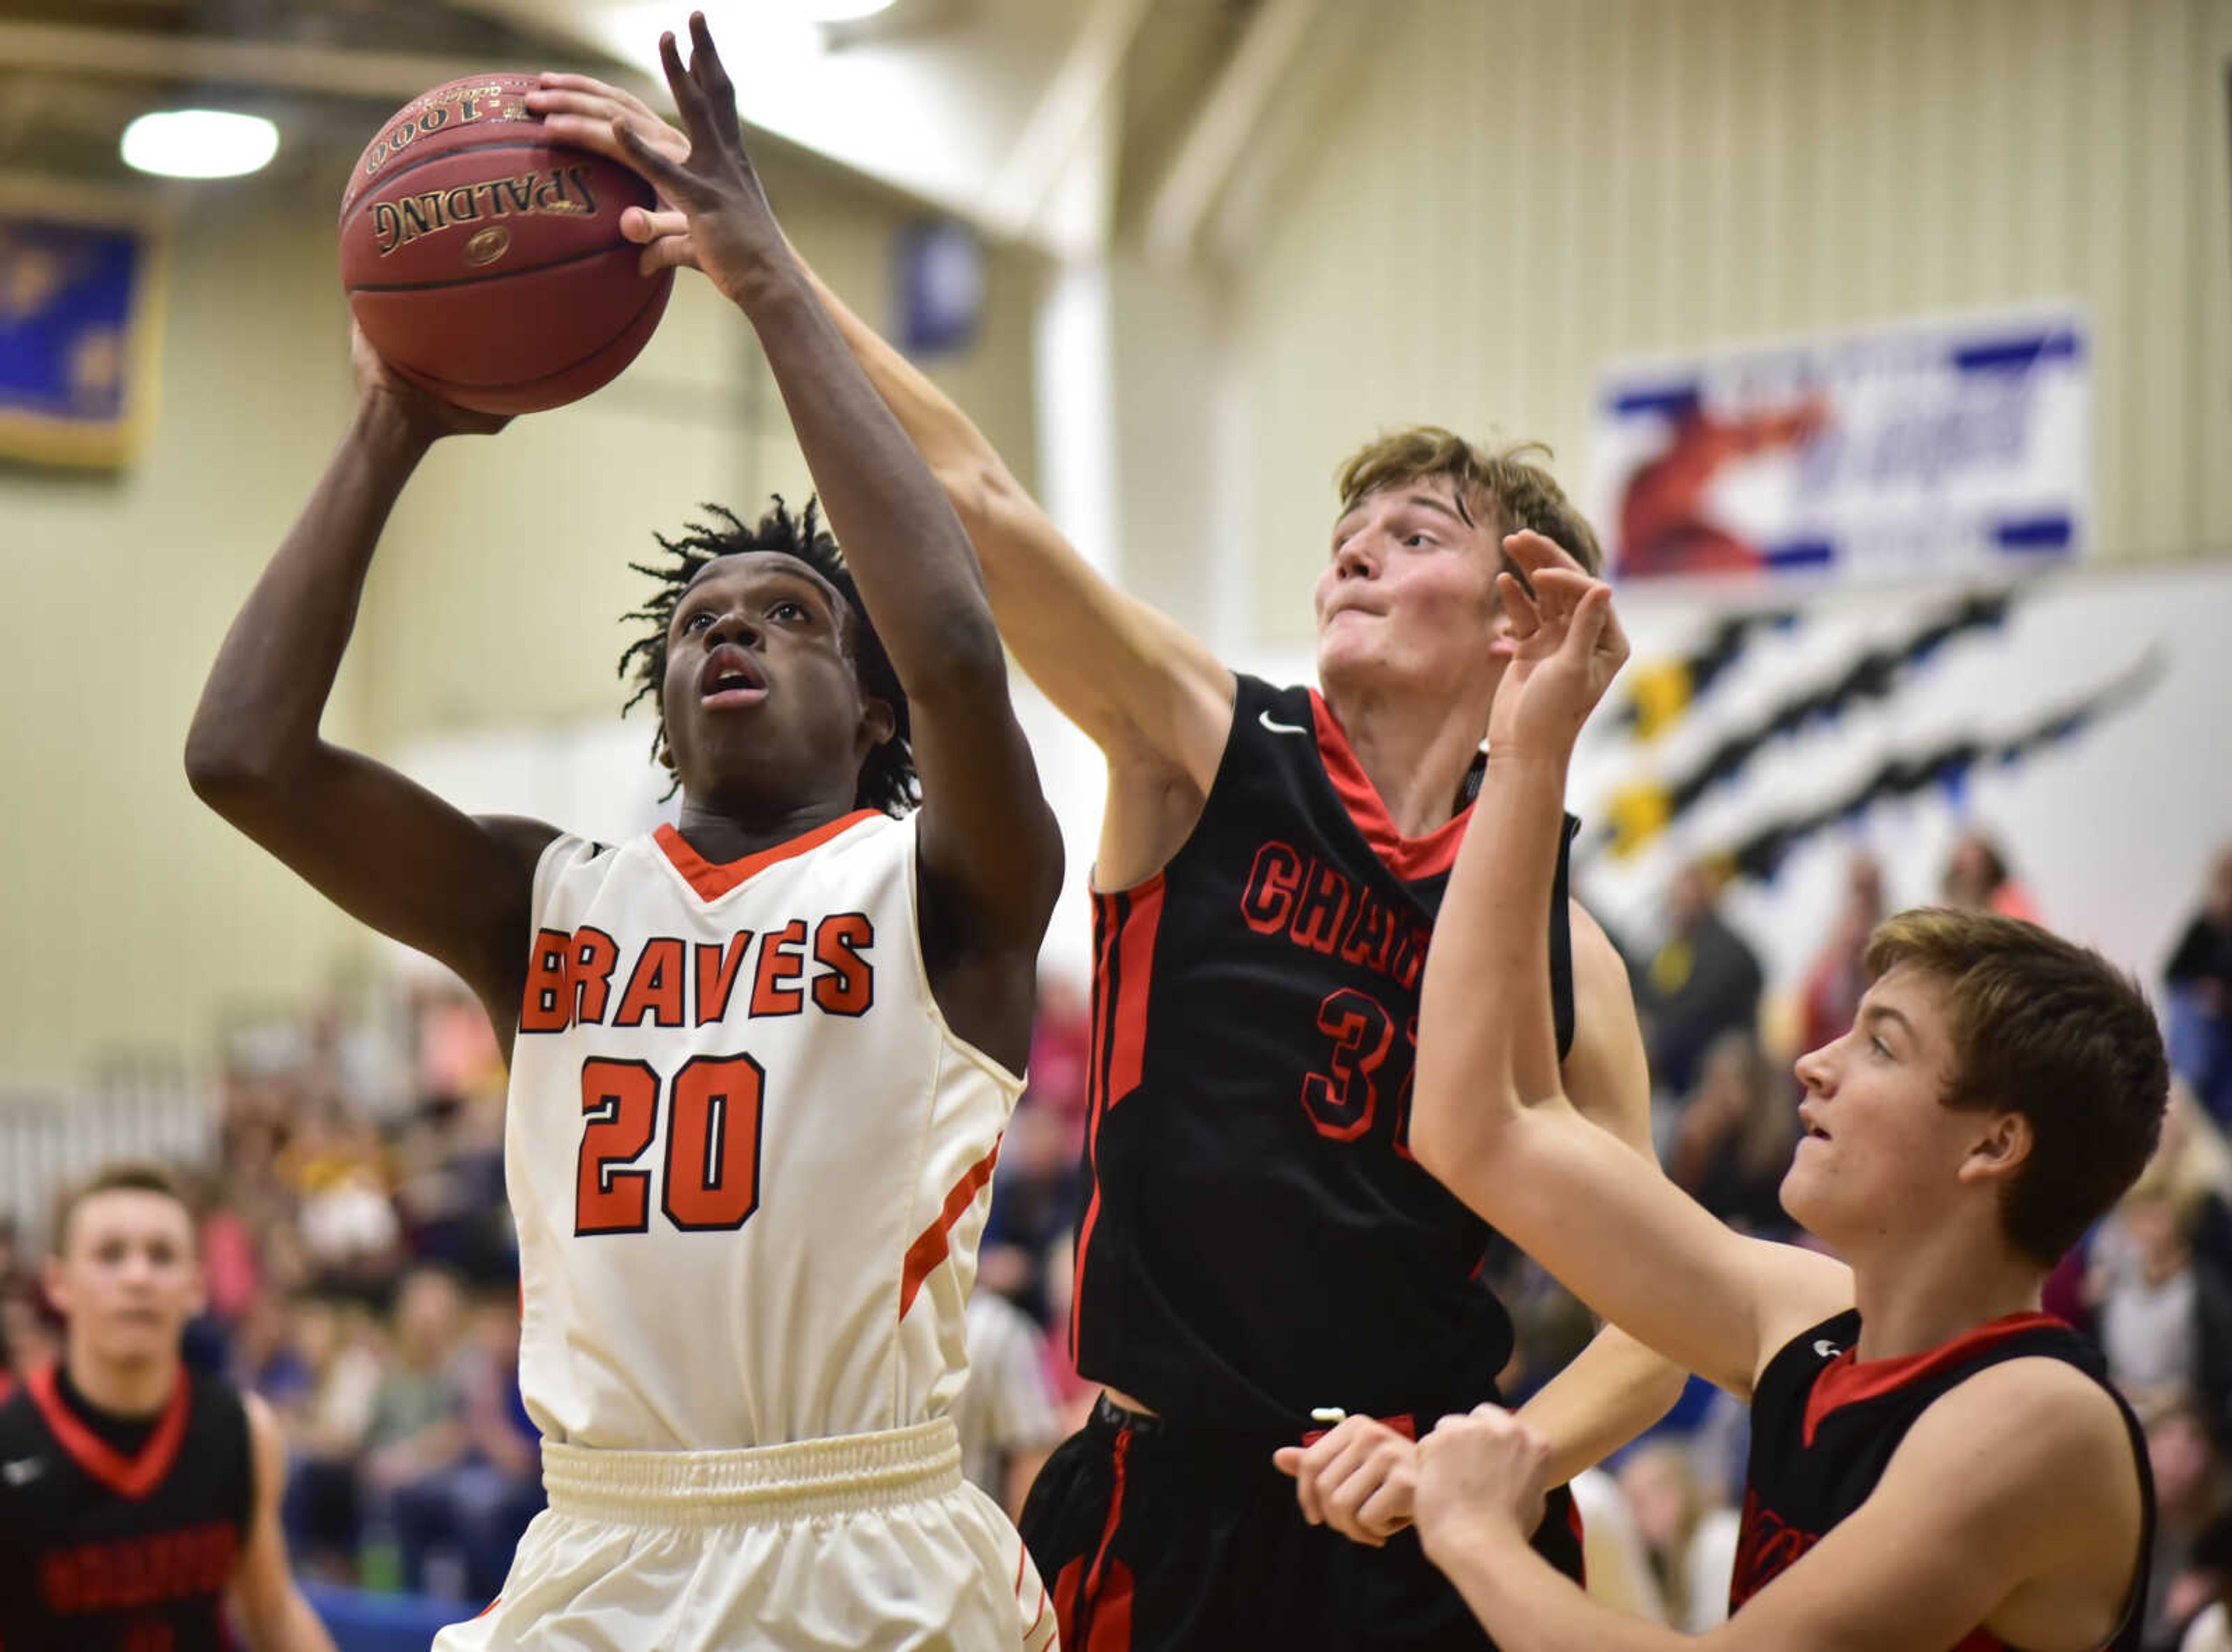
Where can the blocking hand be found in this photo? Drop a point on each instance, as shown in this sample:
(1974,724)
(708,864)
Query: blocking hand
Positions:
(1567,647)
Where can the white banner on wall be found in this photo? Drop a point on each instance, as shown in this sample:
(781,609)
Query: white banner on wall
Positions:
(1932,446)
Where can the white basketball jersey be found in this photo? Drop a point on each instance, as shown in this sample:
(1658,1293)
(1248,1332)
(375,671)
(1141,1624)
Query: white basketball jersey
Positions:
(749,1161)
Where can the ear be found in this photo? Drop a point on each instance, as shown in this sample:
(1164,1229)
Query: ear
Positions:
(877,720)
(52,1280)
(2003,1147)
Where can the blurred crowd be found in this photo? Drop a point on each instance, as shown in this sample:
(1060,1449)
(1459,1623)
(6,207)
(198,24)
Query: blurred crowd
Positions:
(363,1276)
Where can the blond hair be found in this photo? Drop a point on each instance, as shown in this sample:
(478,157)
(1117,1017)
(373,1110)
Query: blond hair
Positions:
(1512,479)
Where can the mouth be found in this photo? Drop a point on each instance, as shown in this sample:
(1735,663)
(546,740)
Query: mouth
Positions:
(731,678)
(1813,1131)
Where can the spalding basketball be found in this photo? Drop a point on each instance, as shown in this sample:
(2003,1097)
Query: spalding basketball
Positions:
(485,261)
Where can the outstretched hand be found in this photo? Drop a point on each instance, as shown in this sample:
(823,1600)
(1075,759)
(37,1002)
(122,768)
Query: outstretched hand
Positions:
(714,217)
(1567,646)
(424,414)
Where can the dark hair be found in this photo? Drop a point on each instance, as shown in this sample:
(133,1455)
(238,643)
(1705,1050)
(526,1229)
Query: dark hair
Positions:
(125,1175)
(887,779)
(2046,1028)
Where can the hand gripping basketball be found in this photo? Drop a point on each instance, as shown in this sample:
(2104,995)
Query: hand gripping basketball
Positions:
(726,229)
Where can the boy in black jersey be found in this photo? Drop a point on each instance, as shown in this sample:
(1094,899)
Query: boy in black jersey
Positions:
(1935,1464)
(138,1498)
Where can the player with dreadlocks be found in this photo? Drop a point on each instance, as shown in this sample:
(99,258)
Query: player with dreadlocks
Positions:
(887,777)
(760,1059)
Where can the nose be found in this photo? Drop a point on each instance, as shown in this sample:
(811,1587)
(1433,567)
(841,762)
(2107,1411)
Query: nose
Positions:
(1813,1071)
(736,628)
(1356,558)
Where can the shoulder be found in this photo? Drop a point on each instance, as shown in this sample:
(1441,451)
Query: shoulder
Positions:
(2030,1437)
(267,1443)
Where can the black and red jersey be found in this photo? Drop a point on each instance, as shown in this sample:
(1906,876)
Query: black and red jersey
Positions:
(1257,1241)
(1824,1428)
(119,1535)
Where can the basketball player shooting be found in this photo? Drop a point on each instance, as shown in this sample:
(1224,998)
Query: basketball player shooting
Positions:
(1257,1243)
(138,1498)
(1934,1462)
(760,1061)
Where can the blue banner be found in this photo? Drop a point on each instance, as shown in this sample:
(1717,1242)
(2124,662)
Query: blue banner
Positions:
(70,354)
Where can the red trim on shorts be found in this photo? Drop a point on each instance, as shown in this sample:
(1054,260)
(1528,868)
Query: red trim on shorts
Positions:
(491,1607)
(1093,1604)
(134,1477)
(1409,858)
(931,1245)
(1403,1422)
(711,880)
(1845,1381)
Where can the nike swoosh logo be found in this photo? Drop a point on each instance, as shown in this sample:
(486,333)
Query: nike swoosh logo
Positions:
(1265,718)
(24,1471)
(1827,1349)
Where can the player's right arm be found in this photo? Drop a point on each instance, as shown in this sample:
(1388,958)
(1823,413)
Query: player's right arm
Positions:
(381,847)
(1157,702)
(1490,1116)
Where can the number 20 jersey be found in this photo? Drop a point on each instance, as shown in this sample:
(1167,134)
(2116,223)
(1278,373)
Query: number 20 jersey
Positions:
(1257,1241)
(749,1161)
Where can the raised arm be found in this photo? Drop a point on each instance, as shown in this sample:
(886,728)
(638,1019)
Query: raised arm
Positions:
(991,852)
(1133,680)
(1490,1114)
(378,845)
(263,1592)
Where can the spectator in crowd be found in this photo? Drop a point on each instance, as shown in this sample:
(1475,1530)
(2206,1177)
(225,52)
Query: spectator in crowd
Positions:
(457,1525)
(1830,996)
(2212,1561)
(417,1428)
(1736,1135)
(326,1419)
(1005,1412)
(2200,997)
(1690,1540)
(2189,1493)
(1033,1208)
(1703,980)
(1978,879)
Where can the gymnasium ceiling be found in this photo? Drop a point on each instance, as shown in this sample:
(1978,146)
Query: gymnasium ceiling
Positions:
(991,109)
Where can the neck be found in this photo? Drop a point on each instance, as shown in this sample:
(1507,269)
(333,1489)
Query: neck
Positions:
(1413,749)
(721,831)
(1939,1288)
(129,1388)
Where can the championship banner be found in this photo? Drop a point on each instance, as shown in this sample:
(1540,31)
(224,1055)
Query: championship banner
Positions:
(1929,447)
(75,342)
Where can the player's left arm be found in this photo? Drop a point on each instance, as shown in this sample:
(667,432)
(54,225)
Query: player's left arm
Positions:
(991,852)
(271,1608)
(2013,1504)
(1616,1387)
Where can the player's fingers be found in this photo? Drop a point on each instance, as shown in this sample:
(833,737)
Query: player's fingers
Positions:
(1519,613)
(712,75)
(1533,551)
(644,226)
(668,252)
(659,171)
(1387,1511)
(689,97)
(1287,1460)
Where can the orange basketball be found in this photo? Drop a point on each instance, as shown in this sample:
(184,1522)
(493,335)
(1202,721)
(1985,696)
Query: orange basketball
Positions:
(485,261)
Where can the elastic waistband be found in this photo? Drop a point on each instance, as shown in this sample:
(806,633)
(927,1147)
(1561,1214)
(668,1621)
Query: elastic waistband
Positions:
(849,1474)
(1246,1442)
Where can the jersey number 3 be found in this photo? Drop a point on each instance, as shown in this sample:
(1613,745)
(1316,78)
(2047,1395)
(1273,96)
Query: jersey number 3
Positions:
(711,1178)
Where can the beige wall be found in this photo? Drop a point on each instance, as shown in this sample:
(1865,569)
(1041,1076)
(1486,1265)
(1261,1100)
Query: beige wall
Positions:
(138,920)
(1499,194)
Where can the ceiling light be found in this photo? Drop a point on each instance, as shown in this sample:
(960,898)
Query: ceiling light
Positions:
(200,143)
(836,10)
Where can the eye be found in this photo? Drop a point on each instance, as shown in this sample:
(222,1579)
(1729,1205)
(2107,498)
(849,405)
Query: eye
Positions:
(698,620)
(1419,538)
(789,608)
(1881,1047)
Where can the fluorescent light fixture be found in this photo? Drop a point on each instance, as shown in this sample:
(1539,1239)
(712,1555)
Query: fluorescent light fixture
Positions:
(200,143)
(835,10)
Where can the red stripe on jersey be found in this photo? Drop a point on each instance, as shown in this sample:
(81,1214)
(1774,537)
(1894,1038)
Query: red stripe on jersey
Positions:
(1093,1604)
(1107,929)
(711,880)
(1409,858)
(930,1247)
(1845,1381)
(134,1477)
(1135,967)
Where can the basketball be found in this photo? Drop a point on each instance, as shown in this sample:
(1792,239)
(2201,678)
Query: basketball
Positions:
(486,262)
